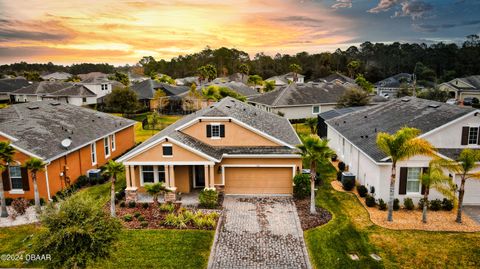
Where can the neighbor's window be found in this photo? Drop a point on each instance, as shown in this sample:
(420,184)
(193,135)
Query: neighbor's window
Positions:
(413,179)
(106,144)
(215,130)
(84,99)
(16,177)
(316,109)
(161,173)
(473,135)
(167,150)
(93,149)
(104,86)
(148,174)
(113,142)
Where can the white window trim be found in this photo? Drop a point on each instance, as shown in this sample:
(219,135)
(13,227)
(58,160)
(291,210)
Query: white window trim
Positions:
(313,110)
(419,183)
(93,152)
(155,175)
(109,146)
(12,190)
(16,191)
(113,143)
(167,145)
(468,140)
(217,125)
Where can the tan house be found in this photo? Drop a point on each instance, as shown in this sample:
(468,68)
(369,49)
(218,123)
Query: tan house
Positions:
(231,146)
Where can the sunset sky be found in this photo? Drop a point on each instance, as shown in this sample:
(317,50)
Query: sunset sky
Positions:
(120,32)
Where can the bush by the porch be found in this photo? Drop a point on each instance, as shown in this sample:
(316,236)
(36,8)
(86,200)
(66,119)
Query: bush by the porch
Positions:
(208,198)
(301,189)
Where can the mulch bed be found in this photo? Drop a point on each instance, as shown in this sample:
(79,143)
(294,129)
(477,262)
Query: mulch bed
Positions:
(308,220)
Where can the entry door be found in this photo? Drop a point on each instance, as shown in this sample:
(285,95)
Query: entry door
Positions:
(199,176)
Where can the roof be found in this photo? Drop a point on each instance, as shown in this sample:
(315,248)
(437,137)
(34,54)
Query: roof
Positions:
(339,112)
(394,81)
(284,79)
(41,126)
(302,94)
(266,122)
(237,77)
(237,87)
(336,76)
(452,153)
(146,89)
(54,88)
(57,76)
(187,81)
(94,78)
(361,127)
(12,84)
(474,81)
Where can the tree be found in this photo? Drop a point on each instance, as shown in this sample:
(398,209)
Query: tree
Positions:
(113,169)
(6,157)
(312,124)
(165,79)
(192,101)
(32,76)
(434,178)
(434,94)
(207,73)
(400,146)
(404,90)
(244,69)
(353,97)
(155,190)
(122,100)
(73,78)
(160,100)
(463,166)
(35,165)
(314,150)
(353,67)
(364,84)
(76,233)
(255,80)
(215,93)
(295,69)
(268,86)
(120,77)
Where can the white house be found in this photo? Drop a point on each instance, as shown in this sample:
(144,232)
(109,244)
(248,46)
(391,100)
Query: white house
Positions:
(389,87)
(286,79)
(97,82)
(460,88)
(449,128)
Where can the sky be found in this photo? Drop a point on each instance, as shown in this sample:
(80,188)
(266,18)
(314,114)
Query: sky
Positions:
(121,32)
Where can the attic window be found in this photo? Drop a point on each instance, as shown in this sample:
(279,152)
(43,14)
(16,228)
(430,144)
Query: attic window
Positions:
(433,105)
(33,107)
(405,100)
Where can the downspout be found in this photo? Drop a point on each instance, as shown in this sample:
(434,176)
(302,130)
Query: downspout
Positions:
(46,180)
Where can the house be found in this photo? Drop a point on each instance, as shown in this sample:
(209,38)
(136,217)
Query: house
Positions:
(9,85)
(447,127)
(230,146)
(57,76)
(146,92)
(238,87)
(300,101)
(322,128)
(135,78)
(460,88)
(390,86)
(98,83)
(187,81)
(286,79)
(70,93)
(71,140)
(235,77)
(339,79)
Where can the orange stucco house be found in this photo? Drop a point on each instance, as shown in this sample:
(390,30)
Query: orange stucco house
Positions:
(37,129)
(231,146)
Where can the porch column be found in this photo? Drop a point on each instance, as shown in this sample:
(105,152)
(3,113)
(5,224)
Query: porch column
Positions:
(131,190)
(167,178)
(172,177)
(212,177)
(127,176)
(207,178)
(133,180)
(170,196)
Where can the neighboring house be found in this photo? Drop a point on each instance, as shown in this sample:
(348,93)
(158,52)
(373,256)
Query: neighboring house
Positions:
(38,129)
(339,79)
(146,91)
(300,101)
(460,88)
(238,87)
(135,78)
(236,77)
(286,79)
(231,146)
(390,86)
(187,81)
(98,83)
(71,93)
(322,128)
(9,85)
(449,128)
(57,76)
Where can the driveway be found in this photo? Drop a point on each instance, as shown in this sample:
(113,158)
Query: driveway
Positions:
(259,233)
(473,212)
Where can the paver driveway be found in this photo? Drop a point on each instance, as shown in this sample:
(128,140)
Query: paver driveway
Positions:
(259,233)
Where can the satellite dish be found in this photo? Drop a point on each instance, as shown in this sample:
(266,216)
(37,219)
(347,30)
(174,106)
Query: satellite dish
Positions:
(66,142)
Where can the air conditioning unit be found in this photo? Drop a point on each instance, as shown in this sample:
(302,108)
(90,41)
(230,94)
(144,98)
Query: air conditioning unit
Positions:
(348,175)
(94,173)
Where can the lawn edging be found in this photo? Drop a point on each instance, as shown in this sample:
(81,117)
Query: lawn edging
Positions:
(215,240)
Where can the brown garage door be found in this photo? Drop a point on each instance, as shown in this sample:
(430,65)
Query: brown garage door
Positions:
(258,180)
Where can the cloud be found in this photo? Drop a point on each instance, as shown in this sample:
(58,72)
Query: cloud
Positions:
(45,30)
(436,27)
(384,5)
(342,4)
(416,9)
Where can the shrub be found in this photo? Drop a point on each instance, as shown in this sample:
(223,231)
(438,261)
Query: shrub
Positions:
(137,214)
(301,189)
(408,204)
(447,204)
(435,205)
(382,205)
(421,203)
(348,183)
(20,206)
(54,199)
(396,204)
(144,224)
(141,218)
(8,201)
(31,201)
(42,201)
(120,194)
(341,166)
(208,198)
(128,217)
(205,221)
(132,204)
(145,205)
(167,207)
(122,204)
(82,181)
(362,190)
(370,201)
(339,175)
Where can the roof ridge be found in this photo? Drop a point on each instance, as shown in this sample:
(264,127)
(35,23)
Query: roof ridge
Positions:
(283,91)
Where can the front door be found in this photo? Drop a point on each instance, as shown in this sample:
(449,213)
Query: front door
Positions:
(198,176)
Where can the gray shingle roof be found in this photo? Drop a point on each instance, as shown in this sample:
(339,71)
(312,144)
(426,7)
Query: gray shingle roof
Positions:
(41,126)
(336,76)
(301,94)
(452,153)
(57,76)
(394,81)
(472,80)
(339,112)
(146,89)
(53,88)
(12,84)
(237,87)
(94,78)
(266,122)
(361,127)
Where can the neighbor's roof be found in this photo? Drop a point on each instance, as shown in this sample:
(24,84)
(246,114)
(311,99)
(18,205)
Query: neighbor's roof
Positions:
(361,127)
(57,76)
(394,81)
(340,112)
(12,84)
(237,87)
(41,126)
(336,76)
(284,78)
(53,88)
(269,123)
(474,81)
(302,94)
(94,78)
(146,89)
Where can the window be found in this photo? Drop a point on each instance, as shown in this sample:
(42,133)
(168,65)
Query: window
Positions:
(216,131)
(106,144)
(161,173)
(148,174)
(113,142)
(316,109)
(167,150)
(413,179)
(93,149)
(84,99)
(104,87)
(16,177)
(473,135)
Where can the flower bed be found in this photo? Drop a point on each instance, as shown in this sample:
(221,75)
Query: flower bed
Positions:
(308,220)
(412,219)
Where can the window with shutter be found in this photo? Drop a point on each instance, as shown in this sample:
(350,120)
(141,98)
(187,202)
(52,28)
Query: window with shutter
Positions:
(15,173)
(403,181)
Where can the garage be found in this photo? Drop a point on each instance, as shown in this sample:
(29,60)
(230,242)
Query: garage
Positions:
(258,180)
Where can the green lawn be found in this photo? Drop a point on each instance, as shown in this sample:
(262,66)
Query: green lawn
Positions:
(351,231)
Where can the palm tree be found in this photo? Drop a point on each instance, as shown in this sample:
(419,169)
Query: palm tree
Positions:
(400,146)
(113,169)
(244,69)
(155,190)
(312,124)
(6,156)
(434,178)
(35,165)
(314,150)
(464,166)
(295,68)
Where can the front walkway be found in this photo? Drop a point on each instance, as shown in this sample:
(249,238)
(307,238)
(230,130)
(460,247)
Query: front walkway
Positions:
(259,233)
(473,212)
(29,217)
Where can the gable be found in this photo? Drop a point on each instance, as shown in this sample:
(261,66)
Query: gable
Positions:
(155,154)
(460,83)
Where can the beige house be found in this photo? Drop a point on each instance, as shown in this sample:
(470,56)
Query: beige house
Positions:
(460,88)
(230,146)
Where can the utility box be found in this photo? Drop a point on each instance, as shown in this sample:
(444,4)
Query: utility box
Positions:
(94,173)
(347,176)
